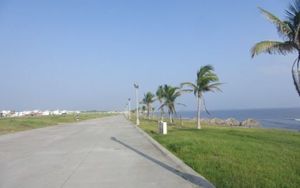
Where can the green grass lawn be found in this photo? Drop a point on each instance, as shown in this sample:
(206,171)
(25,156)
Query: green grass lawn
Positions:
(235,157)
(9,125)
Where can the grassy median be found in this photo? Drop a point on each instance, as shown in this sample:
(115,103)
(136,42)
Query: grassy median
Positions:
(10,125)
(235,157)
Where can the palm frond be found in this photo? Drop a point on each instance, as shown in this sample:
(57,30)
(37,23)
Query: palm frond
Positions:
(187,90)
(273,47)
(181,104)
(214,87)
(193,87)
(189,84)
(149,98)
(160,93)
(293,13)
(282,27)
(204,70)
(204,104)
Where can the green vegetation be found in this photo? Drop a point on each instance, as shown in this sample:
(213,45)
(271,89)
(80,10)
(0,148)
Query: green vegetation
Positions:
(160,97)
(149,98)
(169,96)
(289,30)
(9,125)
(235,157)
(206,81)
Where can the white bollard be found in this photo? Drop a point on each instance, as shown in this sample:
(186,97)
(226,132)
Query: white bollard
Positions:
(163,128)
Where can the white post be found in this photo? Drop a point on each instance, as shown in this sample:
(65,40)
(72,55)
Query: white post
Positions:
(136,86)
(163,128)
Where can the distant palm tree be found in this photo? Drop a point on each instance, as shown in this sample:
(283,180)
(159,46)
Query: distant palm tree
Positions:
(144,108)
(149,98)
(153,110)
(289,30)
(206,81)
(160,97)
(170,96)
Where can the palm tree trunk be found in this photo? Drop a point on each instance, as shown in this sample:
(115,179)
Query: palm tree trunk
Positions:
(148,111)
(296,74)
(152,113)
(170,117)
(161,112)
(198,112)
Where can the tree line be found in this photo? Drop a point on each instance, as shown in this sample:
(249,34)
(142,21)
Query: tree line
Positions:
(167,95)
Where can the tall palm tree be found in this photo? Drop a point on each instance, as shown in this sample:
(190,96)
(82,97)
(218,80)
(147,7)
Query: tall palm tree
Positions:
(144,108)
(289,30)
(160,97)
(149,98)
(170,96)
(206,81)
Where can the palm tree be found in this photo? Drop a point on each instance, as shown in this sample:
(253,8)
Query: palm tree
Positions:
(169,98)
(206,81)
(148,100)
(144,108)
(289,30)
(160,97)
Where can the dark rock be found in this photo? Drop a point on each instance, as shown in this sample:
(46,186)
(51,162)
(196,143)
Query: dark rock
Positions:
(232,122)
(217,121)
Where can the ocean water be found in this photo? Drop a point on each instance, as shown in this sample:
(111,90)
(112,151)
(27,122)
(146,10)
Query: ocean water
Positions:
(285,118)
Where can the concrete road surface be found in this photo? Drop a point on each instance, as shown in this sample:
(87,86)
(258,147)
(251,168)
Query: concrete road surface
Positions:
(107,152)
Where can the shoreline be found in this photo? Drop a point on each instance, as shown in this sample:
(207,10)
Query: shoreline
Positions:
(277,118)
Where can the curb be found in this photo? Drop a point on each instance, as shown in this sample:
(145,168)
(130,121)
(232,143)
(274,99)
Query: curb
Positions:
(185,171)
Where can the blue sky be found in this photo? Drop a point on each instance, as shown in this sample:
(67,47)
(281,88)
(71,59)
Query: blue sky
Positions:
(87,54)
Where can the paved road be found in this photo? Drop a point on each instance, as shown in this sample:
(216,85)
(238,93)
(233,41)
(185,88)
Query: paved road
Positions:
(107,152)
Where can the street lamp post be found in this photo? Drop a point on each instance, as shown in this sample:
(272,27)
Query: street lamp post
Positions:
(136,86)
(126,111)
(129,109)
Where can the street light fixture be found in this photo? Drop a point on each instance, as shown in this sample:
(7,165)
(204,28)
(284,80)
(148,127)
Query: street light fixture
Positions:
(136,86)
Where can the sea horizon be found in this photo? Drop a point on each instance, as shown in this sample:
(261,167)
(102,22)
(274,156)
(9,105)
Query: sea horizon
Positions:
(251,108)
(282,118)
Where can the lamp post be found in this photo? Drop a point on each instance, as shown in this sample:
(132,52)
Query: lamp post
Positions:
(136,86)
(129,109)
(126,110)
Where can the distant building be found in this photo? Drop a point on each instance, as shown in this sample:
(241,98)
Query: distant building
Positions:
(8,113)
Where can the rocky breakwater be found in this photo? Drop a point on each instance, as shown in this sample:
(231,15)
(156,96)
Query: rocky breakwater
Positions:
(249,123)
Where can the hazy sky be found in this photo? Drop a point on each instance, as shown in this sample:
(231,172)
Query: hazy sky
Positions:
(87,54)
